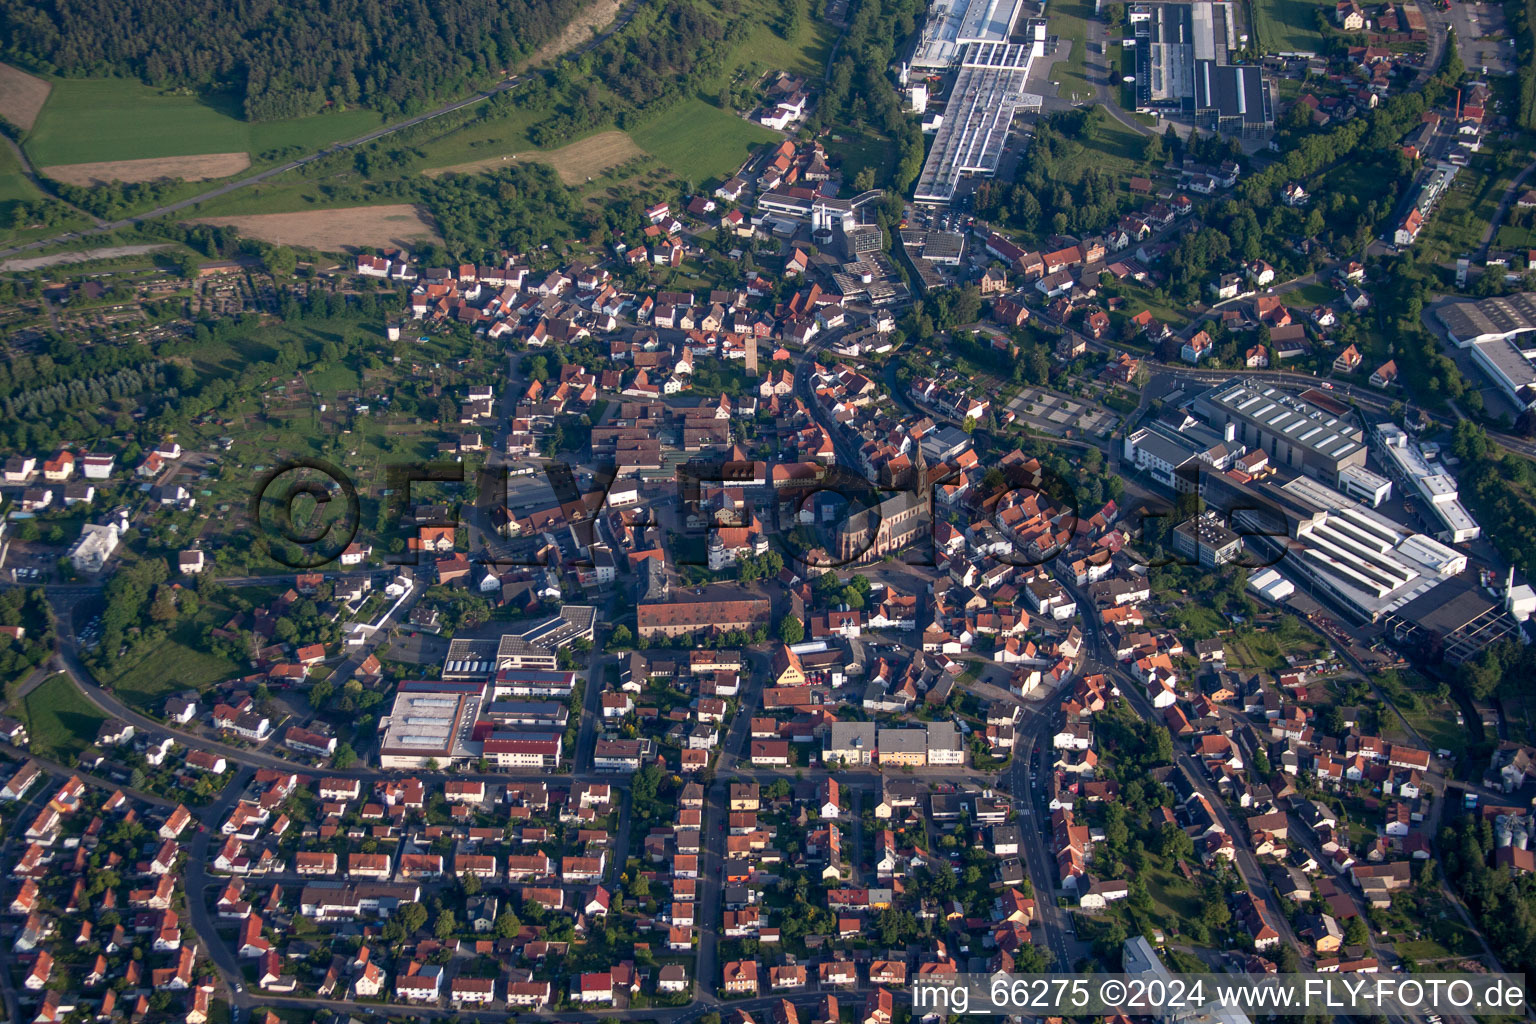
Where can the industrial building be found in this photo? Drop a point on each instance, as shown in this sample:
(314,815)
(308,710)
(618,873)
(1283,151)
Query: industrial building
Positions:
(952,24)
(1183,69)
(1458,617)
(1434,485)
(973,38)
(1499,333)
(448,723)
(1288,474)
(1309,433)
(1341,550)
(429,722)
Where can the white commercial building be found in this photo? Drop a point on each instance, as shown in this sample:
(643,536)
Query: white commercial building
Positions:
(1364,560)
(978,117)
(1434,485)
(1501,334)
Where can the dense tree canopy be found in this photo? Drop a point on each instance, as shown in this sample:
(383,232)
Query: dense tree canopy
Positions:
(289,59)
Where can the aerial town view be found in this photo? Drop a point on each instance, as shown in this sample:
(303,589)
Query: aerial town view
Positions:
(816,512)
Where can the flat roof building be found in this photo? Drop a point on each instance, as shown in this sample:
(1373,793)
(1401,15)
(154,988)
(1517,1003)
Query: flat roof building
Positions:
(534,648)
(430,721)
(1232,99)
(1343,550)
(951,24)
(978,116)
(1296,432)
(1462,619)
(1501,334)
(1182,67)
(1434,485)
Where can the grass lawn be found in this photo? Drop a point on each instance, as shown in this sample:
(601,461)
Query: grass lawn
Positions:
(1288,25)
(13,183)
(858,151)
(1514,236)
(1199,621)
(1421,949)
(1139,297)
(699,140)
(338,377)
(1069,21)
(179,663)
(94,119)
(60,721)
(1313,295)
(1434,720)
(1175,899)
(1256,651)
(763,50)
(497,136)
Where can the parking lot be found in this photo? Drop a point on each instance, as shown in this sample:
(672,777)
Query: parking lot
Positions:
(1482,34)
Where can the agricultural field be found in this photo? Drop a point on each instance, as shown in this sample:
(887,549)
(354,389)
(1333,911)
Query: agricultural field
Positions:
(94,120)
(575,163)
(334,230)
(60,721)
(203,167)
(699,141)
(1288,26)
(21,96)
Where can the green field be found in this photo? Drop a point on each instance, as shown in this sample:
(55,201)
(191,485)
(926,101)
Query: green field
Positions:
(1288,25)
(13,183)
(1516,237)
(1313,295)
(87,120)
(764,50)
(699,140)
(858,151)
(60,721)
(177,663)
(1069,21)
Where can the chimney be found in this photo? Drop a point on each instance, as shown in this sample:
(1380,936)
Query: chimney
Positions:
(1229,432)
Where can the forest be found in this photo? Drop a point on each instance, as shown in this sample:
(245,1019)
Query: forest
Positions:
(658,61)
(289,59)
(1502,902)
(858,93)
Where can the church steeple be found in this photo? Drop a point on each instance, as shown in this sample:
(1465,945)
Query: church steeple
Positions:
(920,474)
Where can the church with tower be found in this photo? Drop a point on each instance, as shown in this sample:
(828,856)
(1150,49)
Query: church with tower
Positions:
(897,522)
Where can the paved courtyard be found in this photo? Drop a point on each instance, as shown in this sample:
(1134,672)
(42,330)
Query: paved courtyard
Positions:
(1057,414)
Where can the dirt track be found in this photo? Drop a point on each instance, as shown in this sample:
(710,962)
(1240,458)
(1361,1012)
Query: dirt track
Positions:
(62,258)
(204,167)
(21,96)
(593,18)
(370,227)
(574,163)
